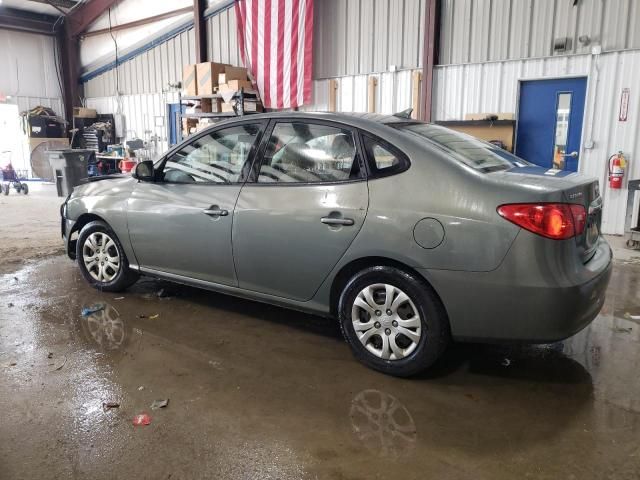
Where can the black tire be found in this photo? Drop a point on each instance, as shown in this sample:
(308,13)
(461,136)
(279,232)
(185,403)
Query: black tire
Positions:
(25,188)
(124,278)
(435,330)
(5,189)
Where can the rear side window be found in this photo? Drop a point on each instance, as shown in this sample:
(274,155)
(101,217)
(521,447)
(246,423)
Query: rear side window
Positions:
(300,152)
(384,159)
(480,155)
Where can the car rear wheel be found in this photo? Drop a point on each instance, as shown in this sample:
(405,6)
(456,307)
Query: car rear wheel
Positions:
(102,260)
(393,321)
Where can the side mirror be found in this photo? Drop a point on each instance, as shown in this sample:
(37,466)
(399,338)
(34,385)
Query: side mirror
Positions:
(144,171)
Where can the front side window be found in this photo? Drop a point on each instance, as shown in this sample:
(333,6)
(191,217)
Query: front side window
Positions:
(214,158)
(300,152)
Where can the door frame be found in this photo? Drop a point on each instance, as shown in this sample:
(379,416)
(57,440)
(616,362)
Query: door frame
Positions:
(587,92)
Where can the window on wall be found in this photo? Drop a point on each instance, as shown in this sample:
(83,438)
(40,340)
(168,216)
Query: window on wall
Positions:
(214,158)
(300,152)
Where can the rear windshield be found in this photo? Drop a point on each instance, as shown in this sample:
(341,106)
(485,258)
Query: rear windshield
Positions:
(478,154)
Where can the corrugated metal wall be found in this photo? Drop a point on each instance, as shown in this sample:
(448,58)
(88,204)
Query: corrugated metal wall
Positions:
(357,37)
(29,71)
(367,36)
(486,30)
(149,72)
(493,87)
(222,39)
(393,93)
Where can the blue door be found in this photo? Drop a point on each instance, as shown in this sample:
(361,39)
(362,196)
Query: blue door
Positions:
(550,116)
(174,127)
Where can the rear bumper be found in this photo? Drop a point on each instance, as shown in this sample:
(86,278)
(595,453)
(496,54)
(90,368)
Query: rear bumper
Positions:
(515,303)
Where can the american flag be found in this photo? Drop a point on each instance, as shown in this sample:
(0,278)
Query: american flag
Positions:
(275,38)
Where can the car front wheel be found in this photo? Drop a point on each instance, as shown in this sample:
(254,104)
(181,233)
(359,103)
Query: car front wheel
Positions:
(393,321)
(102,260)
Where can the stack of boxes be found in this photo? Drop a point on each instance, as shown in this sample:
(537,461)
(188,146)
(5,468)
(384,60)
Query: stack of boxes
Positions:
(215,83)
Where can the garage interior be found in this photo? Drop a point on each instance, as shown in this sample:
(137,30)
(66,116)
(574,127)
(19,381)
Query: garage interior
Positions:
(166,380)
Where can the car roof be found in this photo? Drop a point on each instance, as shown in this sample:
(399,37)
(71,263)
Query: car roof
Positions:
(362,120)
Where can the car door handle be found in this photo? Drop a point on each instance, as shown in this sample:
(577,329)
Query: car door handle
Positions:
(215,211)
(337,221)
(572,154)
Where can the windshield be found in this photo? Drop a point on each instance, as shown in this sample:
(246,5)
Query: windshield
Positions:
(478,154)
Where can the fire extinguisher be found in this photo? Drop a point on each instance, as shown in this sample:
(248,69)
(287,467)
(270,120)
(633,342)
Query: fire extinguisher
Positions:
(617,164)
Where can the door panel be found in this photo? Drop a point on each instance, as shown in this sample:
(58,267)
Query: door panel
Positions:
(181,223)
(282,245)
(550,116)
(307,204)
(171,232)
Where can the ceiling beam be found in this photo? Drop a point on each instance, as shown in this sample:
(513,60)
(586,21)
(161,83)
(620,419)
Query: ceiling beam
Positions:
(138,23)
(19,20)
(82,17)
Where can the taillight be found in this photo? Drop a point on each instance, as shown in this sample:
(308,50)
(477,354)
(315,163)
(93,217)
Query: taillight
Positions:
(579,217)
(557,221)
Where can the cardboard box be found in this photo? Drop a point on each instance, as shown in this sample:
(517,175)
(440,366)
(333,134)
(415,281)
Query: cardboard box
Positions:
(211,105)
(253,106)
(79,112)
(235,85)
(227,107)
(235,73)
(203,124)
(189,80)
(188,126)
(207,75)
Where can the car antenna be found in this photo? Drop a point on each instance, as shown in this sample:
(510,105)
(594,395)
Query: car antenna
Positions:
(404,113)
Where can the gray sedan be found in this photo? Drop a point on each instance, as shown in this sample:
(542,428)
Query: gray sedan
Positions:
(409,234)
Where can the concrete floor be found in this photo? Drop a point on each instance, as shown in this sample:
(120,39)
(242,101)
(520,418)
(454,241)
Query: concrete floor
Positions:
(259,392)
(29,225)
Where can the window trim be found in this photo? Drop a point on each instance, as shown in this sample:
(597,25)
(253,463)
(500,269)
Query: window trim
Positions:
(259,158)
(373,170)
(244,171)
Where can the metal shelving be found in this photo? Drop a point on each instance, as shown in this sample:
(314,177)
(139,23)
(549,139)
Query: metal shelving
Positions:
(238,98)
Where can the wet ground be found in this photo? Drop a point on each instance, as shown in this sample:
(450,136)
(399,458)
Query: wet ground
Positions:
(259,392)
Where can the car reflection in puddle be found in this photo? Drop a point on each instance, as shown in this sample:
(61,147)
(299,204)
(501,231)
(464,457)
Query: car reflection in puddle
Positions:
(383,424)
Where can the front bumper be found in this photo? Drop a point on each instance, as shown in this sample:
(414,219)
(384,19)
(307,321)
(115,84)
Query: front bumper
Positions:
(514,304)
(66,227)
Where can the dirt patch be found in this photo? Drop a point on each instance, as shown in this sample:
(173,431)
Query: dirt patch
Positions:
(29,226)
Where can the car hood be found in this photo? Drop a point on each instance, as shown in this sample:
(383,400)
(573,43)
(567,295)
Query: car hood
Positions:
(105,185)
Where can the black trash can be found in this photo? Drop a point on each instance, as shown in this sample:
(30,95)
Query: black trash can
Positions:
(70,168)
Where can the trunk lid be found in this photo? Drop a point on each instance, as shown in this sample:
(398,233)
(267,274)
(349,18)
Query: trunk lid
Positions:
(588,195)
